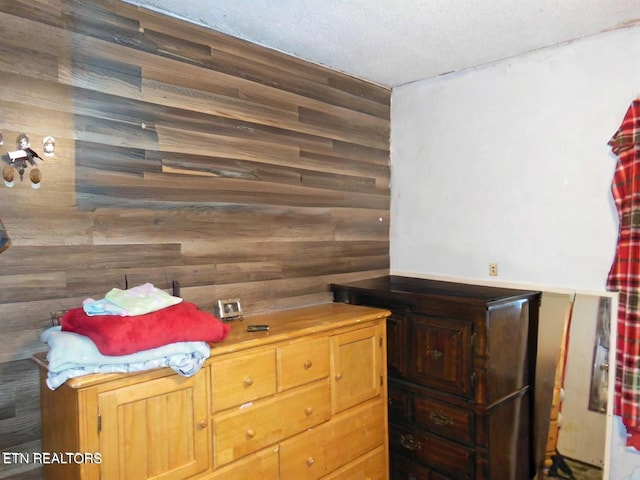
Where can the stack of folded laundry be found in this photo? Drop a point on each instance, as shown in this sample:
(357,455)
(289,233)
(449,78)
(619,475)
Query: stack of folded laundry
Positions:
(131,330)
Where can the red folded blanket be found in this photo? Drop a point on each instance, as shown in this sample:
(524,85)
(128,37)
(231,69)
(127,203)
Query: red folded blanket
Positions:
(115,335)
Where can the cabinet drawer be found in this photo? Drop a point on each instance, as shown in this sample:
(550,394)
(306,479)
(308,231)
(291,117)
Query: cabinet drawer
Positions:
(256,425)
(263,464)
(450,458)
(372,466)
(403,469)
(399,402)
(242,378)
(302,362)
(444,419)
(322,450)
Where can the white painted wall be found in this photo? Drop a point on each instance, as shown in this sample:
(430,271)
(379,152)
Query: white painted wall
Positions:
(509,163)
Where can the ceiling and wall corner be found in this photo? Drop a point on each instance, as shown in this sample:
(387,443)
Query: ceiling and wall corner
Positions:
(394,42)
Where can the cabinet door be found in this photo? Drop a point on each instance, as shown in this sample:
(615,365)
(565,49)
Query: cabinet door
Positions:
(441,354)
(356,367)
(155,430)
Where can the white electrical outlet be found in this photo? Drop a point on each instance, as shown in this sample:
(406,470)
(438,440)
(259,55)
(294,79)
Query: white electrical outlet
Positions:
(493,269)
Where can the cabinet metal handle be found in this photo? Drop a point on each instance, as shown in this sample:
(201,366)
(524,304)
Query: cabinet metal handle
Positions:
(409,443)
(310,461)
(435,354)
(248,382)
(439,418)
(251,433)
(307,364)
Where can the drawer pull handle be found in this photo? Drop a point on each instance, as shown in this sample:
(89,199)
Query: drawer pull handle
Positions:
(248,382)
(307,364)
(203,424)
(310,461)
(308,411)
(439,418)
(251,433)
(435,354)
(409,443)
(339,376)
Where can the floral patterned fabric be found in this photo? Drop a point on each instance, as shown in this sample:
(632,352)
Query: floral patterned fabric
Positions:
(624,276)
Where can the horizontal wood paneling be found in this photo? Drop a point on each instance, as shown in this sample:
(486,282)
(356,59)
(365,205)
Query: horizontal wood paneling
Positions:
(184,155)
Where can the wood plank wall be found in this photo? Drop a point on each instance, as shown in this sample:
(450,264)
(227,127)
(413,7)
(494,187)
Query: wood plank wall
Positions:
(181,154)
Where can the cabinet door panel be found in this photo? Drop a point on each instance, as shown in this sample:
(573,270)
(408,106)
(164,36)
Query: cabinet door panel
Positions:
(441,355)
(155,430)
(356,367)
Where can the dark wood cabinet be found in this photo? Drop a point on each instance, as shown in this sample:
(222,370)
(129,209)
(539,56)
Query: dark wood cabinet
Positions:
(461,364)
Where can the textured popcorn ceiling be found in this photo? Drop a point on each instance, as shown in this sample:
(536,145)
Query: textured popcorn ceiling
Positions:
(392,42)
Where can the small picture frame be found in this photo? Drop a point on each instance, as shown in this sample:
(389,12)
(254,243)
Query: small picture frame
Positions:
(230,309)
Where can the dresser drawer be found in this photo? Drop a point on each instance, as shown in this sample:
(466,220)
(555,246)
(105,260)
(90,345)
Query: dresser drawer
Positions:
(254,426)
(399,404)
(450,458)
(242,378)
(448,420)
(263,464)
(319,451)
(372,466)
(302,362)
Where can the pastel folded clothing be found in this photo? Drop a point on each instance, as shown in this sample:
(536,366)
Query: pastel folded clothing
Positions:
(71,355)
(72,350)
(103,307)
(185,365)
(137,300)
(114,335)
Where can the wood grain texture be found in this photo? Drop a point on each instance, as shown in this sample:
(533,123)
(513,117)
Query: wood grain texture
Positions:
(181,154)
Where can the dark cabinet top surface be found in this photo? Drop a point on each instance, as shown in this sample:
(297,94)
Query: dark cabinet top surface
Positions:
(410,286)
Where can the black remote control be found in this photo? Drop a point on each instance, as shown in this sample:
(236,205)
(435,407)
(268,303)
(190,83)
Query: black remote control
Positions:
(257,328)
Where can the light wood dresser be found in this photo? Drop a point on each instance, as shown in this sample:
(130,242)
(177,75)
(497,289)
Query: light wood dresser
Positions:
(305,400)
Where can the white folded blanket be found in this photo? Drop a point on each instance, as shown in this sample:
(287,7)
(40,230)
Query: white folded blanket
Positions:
(71,355)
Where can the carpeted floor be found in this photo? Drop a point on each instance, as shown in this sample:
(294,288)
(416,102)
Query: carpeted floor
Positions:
(579,470)
(582,471)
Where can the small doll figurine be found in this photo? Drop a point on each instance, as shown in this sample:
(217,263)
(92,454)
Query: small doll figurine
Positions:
(20,160)
(48,146)
(8,173)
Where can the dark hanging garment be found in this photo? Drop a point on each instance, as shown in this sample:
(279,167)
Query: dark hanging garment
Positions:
(624,276)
